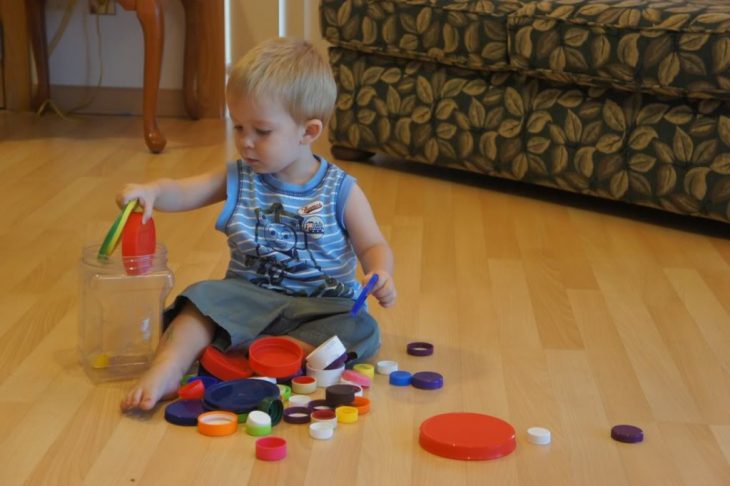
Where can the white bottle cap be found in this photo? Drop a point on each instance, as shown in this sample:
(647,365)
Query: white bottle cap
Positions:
(325,378)
(326,353)
(538,435)
(299,401)
(321,430)
(258,418)
(386,367)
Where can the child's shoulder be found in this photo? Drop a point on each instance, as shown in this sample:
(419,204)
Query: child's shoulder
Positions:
(334,169)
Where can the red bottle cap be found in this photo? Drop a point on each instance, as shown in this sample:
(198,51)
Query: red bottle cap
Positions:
(225,366)
(194,390)
(276,357)
(467,436)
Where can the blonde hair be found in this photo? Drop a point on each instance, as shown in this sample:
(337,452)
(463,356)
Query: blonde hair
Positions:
(290,71)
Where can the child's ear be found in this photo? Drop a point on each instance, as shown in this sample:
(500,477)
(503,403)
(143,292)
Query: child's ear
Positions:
(312,130)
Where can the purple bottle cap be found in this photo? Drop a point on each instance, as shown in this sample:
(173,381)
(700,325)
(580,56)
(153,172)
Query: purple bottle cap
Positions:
(339,362)
(320,404)
(297,415)
(627,433)
(427,380)
(340,394)
(419,348)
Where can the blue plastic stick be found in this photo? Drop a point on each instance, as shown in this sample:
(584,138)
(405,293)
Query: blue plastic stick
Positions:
(364,295)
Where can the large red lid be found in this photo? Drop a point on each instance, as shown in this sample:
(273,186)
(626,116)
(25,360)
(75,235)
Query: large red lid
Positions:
(225,366)
(275,357)
(467,436)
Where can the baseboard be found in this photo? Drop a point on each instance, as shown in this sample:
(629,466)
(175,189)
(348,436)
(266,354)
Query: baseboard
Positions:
(116,101)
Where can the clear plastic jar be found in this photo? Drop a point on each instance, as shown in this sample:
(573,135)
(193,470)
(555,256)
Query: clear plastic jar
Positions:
(120,312)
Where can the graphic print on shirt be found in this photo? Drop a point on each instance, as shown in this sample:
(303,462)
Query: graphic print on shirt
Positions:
(282,253)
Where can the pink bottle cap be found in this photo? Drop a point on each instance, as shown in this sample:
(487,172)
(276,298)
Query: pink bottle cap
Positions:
(271,448)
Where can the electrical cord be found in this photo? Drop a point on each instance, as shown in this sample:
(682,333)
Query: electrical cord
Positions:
(60,31)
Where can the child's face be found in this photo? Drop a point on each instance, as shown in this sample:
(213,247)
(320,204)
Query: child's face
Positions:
(268,139)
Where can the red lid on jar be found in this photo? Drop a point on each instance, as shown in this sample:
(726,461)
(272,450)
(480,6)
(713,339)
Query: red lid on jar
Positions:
(467,436)
(138,244)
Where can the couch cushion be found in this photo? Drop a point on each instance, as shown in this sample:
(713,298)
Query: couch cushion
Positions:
(466,33)
(668,47)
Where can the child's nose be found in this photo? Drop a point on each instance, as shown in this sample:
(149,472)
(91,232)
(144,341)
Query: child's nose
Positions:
(247,141)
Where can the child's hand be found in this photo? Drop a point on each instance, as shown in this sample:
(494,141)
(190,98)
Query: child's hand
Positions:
(384,290)
(146,194)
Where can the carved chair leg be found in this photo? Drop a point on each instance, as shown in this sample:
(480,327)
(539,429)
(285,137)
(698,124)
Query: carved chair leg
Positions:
(149,13)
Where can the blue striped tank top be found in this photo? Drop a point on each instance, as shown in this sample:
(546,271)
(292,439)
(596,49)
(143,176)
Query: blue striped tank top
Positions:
(290,238)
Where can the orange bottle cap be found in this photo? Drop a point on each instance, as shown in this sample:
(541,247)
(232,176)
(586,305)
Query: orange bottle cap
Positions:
(217,423)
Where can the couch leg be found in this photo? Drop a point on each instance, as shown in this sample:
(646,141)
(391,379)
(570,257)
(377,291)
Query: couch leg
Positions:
(347,153)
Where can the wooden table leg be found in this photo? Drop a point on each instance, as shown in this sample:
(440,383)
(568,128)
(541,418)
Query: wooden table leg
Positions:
(204,69)
(36,14)
(190,61)
(149,13)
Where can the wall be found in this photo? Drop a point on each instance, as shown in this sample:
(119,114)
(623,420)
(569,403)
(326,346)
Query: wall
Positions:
(75,60)
(252,22)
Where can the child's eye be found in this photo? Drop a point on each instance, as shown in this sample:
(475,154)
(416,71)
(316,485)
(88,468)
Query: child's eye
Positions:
(238,128)
(262,131)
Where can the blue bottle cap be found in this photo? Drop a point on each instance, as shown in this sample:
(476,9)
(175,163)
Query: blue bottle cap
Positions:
(184,412)
(239,396)
(400,378)
(427,380)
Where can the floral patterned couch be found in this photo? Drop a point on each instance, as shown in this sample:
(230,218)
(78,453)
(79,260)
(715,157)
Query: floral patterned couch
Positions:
(623,99)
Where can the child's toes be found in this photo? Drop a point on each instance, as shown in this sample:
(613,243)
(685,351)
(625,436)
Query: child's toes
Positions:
(132,399)
(147,403)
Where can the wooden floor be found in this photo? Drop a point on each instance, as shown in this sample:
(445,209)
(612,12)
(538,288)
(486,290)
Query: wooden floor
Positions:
(542,312)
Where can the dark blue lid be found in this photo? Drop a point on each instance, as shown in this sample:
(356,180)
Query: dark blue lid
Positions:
(400,378)
(239,396)
(427,380)
(184,412)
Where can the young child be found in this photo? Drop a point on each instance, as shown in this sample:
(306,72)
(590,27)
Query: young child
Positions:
(296,227)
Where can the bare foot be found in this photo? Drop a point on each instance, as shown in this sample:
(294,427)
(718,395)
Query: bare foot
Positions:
(159,382)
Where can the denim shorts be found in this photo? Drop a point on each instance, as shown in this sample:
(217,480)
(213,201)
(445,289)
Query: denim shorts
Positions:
(243,312)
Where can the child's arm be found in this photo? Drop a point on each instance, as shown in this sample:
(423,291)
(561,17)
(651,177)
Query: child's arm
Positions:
(176,194)
(370,246)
